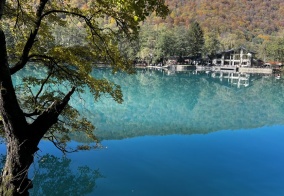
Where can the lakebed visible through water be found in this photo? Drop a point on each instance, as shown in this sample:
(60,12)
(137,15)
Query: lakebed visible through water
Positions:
(191,133)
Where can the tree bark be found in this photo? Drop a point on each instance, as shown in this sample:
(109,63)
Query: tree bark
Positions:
(15,173)
(21,144)
(22,138)
(20,148)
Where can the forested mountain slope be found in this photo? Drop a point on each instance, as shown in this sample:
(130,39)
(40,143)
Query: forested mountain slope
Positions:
(249,18)
(257,25)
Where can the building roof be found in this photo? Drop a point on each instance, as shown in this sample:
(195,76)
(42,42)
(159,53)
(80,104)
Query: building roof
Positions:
(235,49)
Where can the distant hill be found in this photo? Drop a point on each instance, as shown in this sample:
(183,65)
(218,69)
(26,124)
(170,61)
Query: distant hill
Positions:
(248,18)
(255,24)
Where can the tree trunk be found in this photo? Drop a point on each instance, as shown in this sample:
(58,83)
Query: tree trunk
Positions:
(15,172)
(21,138)
(18,134)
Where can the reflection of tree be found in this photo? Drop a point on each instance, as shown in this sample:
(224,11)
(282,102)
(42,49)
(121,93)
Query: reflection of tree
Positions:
(55,177)
(2,160)
(184,103)
(148,104)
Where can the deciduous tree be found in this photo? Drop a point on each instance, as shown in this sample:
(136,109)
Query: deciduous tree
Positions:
(275,49)
(31,113)
(212,44)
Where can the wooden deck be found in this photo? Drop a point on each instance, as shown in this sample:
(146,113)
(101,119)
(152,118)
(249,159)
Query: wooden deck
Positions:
(216,68)
(255,70)
(242,69)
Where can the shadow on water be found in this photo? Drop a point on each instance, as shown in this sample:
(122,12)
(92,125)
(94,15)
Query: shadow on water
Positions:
(57,176)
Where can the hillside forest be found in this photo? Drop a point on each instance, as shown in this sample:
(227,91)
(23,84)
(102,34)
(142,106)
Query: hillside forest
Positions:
(257,25)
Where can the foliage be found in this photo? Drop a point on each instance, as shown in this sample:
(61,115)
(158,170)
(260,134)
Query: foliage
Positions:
(196,39)
(61,43)
(251,18)
(182,42)
(211,44)
(55,173)
(165,42)
(275,50)
(38,36)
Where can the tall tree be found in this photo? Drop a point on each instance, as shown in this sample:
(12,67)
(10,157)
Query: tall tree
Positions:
(196,39)
(275,49)
(211,44)
(29,114)
(166,43)
(181,41)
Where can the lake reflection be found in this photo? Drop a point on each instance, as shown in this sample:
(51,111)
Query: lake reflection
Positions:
(185,103)
(155,142)
(55,175)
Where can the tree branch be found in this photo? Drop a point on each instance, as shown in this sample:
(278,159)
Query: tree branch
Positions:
(42,85)
(87,20)
(18,13)
(50,116)
(55,64)
(2,4)
(31,40)
(35,113)
(59,145)
(90,25)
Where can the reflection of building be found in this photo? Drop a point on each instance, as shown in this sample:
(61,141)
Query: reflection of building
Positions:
(239,79)
(231,59)
(234,78)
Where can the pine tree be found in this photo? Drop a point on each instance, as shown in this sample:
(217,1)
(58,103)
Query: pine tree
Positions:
(196,40)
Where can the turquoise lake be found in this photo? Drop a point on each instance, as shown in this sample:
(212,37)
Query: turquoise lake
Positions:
(189,133)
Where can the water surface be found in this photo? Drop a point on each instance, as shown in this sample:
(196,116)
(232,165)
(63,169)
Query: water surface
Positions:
(192,133)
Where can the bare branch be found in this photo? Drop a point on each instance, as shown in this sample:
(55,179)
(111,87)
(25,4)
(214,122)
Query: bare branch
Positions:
(42,85)
(18,13)
(55,142)
(91,27)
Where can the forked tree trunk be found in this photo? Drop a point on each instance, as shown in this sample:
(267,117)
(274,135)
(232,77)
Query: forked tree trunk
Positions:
(22,138)
(21,143)
(15,172)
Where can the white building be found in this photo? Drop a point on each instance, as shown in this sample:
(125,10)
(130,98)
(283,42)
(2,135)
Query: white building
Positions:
(231,59)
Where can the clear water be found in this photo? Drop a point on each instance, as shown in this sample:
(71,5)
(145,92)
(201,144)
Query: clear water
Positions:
(175,134)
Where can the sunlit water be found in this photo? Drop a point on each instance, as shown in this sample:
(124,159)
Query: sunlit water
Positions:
(175,134)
